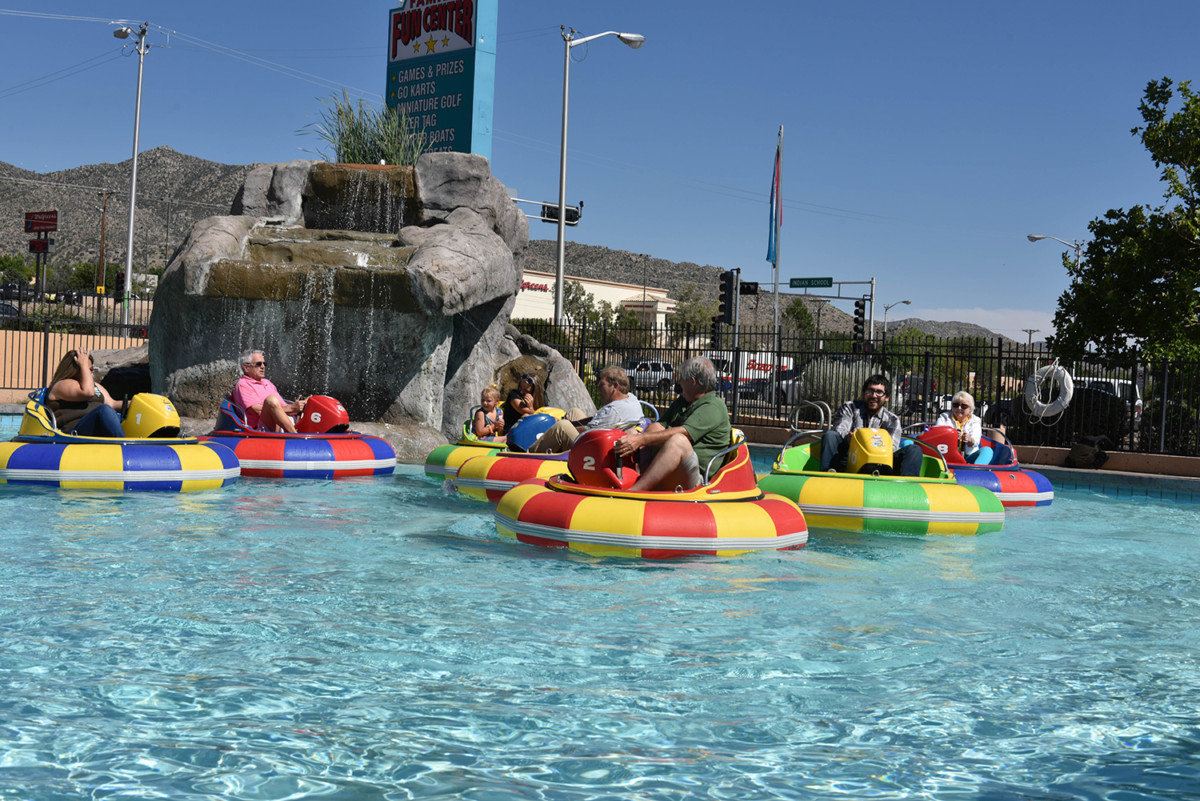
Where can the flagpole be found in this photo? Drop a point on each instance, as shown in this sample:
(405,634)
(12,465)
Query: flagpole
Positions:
(778,215)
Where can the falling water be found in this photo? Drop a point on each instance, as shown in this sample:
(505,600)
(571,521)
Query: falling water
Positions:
(358,198)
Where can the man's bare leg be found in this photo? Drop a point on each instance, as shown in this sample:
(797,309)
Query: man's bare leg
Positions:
(667,471)
(275,417)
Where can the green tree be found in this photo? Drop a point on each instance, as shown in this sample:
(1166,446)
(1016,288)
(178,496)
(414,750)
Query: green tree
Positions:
(14,268)
(692,308)
(799,318)
(1134,287)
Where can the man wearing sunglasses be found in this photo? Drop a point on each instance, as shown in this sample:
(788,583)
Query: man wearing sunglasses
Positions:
(265,408)
(869,411)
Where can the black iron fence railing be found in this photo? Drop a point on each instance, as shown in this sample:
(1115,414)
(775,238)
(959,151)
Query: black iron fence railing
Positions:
(34,336)
(1151,407)
(796,380)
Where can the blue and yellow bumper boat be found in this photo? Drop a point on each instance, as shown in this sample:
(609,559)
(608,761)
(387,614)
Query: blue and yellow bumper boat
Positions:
(41,454)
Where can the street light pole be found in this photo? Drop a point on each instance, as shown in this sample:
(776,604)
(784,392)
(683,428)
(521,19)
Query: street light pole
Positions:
(1076,246)
(634,40)
(885,311)
(141,48)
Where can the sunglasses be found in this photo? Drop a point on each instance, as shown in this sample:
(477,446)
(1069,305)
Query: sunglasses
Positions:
(257,364)
(961,405)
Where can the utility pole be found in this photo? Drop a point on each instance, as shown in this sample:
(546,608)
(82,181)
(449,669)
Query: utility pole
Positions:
(102,273)
(1031,332)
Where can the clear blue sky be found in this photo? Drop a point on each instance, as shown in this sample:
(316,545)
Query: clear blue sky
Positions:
(923,141)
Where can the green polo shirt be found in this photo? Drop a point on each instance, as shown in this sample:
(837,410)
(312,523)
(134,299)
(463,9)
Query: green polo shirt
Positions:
(706,422)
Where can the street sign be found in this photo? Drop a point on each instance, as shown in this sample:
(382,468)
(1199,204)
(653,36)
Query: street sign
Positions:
(801,283)
(40,245)
(38,221)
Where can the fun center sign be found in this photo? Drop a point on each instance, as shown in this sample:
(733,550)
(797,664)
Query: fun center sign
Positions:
(442,71)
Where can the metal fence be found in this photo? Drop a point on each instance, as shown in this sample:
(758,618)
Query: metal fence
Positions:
(34,336)
(797,381)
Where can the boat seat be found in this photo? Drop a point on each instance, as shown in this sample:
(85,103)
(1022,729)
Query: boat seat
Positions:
(736,438)
(231,417)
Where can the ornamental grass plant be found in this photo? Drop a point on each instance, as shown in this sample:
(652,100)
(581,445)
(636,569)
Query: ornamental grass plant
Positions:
(359,133)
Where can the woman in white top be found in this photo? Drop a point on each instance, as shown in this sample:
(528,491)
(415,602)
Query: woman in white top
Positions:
(970,428)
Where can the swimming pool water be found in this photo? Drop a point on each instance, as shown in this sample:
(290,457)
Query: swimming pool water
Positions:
(376,639)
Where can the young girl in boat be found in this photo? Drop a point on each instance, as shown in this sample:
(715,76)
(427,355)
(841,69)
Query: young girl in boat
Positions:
(488,423)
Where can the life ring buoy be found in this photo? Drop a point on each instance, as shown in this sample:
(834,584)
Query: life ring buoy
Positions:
(1056,375)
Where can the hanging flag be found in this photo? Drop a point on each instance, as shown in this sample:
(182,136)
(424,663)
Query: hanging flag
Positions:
(776,202)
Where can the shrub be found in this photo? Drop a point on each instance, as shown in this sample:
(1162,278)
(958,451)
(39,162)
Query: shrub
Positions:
(362,134)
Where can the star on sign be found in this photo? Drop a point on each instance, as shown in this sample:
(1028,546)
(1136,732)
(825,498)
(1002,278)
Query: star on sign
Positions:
(429,46)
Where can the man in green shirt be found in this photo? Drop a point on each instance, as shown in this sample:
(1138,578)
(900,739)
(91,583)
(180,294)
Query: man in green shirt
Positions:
(688,436)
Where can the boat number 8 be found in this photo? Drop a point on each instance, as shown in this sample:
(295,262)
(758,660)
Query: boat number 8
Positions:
(943,448)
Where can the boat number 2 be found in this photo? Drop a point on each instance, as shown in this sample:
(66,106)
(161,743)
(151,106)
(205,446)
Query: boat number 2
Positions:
(589,463)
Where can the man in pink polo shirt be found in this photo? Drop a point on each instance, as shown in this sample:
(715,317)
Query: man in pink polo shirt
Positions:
(265,408)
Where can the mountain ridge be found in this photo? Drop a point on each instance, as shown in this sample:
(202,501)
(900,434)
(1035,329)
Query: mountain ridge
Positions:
(176,190)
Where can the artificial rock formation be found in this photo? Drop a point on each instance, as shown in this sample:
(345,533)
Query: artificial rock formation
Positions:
(388,288)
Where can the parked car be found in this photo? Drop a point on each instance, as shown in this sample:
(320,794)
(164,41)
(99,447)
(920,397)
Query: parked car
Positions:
(908,395)
(781,387)
(14,291)
(1122,388)
(70,297)
(648,374)
(8,310)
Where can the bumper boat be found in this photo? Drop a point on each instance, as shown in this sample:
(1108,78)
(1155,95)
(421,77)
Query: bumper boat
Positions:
(726,516)
(1012,484)
(320,448)
(444,461)
(871,499)
(152,456)
(488,476)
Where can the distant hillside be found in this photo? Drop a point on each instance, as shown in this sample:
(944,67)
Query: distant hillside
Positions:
(595,262)
(175,191)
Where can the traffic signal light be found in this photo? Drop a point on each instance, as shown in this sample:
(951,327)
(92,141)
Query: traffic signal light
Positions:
(728,296)
(748,288)
(716,332)
(570,217)
(860,319)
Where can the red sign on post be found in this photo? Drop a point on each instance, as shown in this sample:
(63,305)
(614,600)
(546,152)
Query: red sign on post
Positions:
(39,221)
(40,245)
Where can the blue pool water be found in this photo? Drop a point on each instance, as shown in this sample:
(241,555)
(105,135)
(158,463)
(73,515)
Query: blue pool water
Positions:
(375,639)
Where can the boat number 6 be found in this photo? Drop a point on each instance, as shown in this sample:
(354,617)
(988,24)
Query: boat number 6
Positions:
(315,417)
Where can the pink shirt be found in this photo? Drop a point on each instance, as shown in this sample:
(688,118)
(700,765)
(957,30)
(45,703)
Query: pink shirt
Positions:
(252,392)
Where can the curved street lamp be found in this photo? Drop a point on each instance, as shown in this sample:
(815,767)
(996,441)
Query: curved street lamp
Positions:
(885,311)
(1076,246)
(634,40)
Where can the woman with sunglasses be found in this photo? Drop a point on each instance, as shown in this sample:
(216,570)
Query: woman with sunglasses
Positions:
(970,428)
(80,405)
(523,401)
